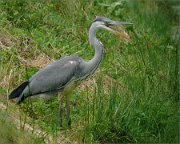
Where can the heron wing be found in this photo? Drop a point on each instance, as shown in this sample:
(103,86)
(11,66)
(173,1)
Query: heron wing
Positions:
(53,77)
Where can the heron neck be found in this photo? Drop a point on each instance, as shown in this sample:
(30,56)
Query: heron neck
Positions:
(93,64)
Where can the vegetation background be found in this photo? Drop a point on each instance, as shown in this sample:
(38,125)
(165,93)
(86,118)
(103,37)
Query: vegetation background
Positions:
(134,95)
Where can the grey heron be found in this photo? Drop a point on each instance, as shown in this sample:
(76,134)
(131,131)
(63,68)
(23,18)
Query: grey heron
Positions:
(63,75)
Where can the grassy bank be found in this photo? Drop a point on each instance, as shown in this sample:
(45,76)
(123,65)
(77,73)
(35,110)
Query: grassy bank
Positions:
(134,96)
(9,134)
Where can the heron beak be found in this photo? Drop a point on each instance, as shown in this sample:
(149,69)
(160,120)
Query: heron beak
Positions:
(117,28)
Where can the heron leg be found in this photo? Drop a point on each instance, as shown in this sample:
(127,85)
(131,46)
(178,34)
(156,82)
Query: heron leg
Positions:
(68,110)
(60,111)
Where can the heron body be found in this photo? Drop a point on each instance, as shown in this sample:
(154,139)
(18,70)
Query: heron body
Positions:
(64,74)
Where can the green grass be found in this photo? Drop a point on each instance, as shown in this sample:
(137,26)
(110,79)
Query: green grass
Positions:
(10,135)
(137,104)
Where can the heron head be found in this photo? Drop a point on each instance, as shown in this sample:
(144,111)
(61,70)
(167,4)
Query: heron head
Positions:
(116,27)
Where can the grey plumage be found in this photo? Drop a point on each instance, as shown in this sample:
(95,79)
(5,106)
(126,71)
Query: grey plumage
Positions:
(52,78)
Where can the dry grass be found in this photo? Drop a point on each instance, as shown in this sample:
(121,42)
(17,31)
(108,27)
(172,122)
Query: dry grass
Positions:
(6,40)
(6,81)
(40,61)
(23,122)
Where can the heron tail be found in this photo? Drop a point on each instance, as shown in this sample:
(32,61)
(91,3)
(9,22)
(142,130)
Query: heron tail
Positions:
(20,99)
(18,91)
